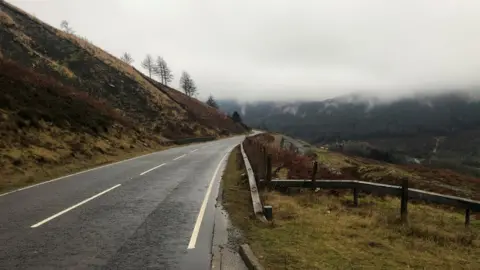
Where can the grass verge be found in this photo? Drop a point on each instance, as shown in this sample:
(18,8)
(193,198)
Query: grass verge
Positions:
(323,231)
(32,173)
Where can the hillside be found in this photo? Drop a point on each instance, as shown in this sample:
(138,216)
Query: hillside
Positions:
(76,62)
(67,105)
(49,129)
(199,112)
(438,130)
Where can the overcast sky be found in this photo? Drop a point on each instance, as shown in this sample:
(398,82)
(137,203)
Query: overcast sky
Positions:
(263,50)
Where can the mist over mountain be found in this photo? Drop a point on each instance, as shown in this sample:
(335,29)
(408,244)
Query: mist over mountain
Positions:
(413,125)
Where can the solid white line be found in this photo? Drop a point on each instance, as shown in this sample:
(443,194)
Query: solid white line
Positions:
(145,172)
(196,229)
(73,207)
(66,176)
(180,157)
(194,150)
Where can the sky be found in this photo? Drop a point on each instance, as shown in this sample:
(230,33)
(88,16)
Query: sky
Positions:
(288,50)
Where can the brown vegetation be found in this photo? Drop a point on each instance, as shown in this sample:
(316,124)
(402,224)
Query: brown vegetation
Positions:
(320,231)
(49,129)
(199,112)
(76,62)
(67,104)
(332,165)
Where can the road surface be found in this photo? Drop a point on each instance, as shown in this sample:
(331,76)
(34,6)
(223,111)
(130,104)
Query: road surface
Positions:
(151,212)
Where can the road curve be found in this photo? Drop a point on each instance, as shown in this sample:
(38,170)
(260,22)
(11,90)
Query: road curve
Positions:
(151,212)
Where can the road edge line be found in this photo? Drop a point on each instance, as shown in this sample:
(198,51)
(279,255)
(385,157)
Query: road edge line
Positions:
(201,214)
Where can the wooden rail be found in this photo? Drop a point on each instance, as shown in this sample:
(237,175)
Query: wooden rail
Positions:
(404,193)
(382,189)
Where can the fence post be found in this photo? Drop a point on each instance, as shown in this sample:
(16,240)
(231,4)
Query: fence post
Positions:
(314,174)
(355,196)
(268,173)
(467,217)
(404,201)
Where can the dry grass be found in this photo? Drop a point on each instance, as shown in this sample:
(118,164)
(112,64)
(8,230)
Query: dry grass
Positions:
(104,76)
(49,129)
(156,96)
(6,20)
(57,152)
(61,69)
(321,231)
(436,180)
(332,160)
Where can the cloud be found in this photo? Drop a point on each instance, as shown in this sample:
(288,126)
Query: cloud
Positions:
(281,50)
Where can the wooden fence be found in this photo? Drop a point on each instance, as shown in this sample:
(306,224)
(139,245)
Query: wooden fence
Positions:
(262,162)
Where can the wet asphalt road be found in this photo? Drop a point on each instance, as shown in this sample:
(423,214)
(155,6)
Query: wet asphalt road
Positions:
(121,216)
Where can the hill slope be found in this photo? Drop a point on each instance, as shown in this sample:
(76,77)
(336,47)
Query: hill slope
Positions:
(76,62)
(49,129)
(66,105)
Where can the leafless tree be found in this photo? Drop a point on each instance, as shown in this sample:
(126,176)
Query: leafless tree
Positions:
(64,25)
(127,58)
(188,85)
(163,71)
(148,64)
(212,102)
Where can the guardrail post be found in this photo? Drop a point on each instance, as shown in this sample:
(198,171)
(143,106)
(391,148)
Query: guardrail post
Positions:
(268,173)
(467,217)
(268,212)
(404,201)
(314,174)
(355,196)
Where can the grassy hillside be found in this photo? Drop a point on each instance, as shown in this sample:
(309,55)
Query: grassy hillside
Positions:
(66,104)
(49,129)
(76,62)
(199,112)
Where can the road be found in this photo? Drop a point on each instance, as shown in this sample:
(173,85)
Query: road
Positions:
(151,212)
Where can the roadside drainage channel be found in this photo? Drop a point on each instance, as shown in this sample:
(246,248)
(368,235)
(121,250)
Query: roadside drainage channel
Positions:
(226,241)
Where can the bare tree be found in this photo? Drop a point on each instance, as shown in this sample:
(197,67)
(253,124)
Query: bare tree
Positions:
(188,85)
(64,25)
(163,71)
(127,58)
(148,64)
(212,102)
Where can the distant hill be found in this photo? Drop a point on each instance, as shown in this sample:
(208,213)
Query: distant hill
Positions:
(439,129)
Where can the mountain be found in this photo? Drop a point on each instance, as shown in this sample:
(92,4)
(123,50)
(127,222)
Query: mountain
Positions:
(67,104)
(440,129)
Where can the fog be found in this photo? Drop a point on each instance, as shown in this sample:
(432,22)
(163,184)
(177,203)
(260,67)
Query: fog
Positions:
(289,50)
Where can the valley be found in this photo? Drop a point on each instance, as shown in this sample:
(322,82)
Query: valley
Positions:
(439,130)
